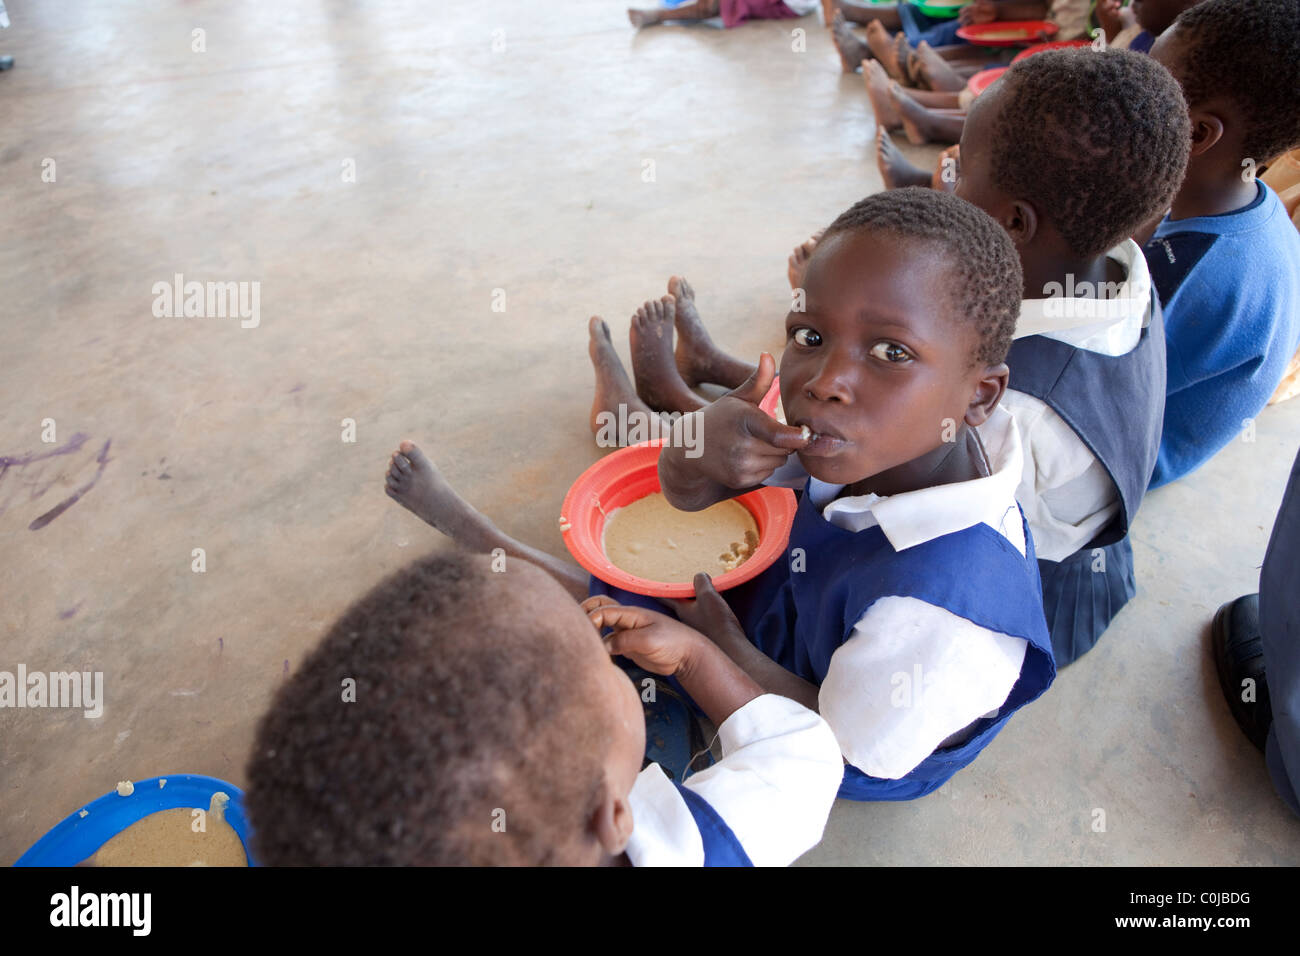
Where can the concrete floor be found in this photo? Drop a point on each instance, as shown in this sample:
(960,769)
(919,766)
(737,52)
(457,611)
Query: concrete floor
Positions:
(476,169)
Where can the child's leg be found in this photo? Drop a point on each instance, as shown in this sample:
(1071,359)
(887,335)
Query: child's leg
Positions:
(414,482)
(798,260)
(933,71)
(885,49)
(614,390)
(882,104)
(924,125)
(852,50)
(894,168)
(696,10)
(697,358)
(886,13)
(654,364)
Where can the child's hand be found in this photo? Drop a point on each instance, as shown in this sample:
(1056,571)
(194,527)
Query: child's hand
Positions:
(1108,17)
(742,444)
(709,613)
(981,11)
(652,640)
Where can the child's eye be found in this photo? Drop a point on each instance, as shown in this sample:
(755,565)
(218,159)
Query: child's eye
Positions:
(807,337)
(890,352)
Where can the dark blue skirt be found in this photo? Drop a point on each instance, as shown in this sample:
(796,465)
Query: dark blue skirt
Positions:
(1083,593)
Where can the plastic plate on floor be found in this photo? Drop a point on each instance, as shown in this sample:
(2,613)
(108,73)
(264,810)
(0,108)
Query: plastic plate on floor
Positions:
(1008,32)
(630,474)
(981,81)
(80,836)
(1054,45)
(942,10)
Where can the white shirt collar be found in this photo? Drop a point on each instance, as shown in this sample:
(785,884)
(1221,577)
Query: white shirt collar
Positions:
(1110,325)
(914,517)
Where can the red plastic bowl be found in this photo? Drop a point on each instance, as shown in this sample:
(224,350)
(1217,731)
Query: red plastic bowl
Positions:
(632,473)
(1054,45)
(992,34)
(981,81)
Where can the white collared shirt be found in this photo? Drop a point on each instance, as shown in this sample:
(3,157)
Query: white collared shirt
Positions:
(912,674)
(1067,494)
(774,788)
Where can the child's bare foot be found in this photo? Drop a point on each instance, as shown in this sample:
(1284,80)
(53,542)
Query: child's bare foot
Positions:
(798,260)
(644,18)
(613,387)
(922,124)
(698,358)
(415,483)
(654,366)
(852,50)
(947,170)
(902,54)
(882,48)
(894,168)
(877,80)
(933,71)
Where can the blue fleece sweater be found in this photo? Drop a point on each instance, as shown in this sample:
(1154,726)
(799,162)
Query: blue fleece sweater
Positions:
(1230,287)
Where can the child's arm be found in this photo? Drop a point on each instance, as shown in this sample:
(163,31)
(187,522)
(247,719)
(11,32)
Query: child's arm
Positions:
(664,646)
(711,615)
(740,446)
(1021,9)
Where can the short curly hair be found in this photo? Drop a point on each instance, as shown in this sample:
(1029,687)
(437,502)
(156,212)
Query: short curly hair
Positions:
(1097,141)
(1249,51)
(465,705)
(987,280)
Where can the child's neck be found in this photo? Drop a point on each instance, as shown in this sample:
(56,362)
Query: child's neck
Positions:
(1045,272)
(1213,192)
(963,459)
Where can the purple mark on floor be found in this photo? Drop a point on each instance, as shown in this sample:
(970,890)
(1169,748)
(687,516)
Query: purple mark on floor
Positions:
(297,388)
(64,615)
(73,498)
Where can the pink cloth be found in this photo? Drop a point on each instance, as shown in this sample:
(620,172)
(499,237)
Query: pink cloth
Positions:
(738,11)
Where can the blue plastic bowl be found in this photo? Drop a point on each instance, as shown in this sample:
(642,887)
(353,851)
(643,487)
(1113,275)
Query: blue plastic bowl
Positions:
(78,837)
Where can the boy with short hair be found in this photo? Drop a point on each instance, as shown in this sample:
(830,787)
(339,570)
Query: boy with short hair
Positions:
(909,556)
(489,726)
(1226,259)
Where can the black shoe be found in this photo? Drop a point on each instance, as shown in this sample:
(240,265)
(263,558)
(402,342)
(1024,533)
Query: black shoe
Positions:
(6,63)
(1239,659)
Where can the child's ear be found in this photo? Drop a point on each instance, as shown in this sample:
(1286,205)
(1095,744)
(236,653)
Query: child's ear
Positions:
(611,821)
(1021,222)
(1207,129)
(988,392)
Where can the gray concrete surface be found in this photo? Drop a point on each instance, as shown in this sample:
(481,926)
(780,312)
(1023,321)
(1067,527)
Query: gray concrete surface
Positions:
(476,169)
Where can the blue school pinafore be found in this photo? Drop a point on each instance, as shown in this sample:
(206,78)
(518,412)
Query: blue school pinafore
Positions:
(1116,405)
(800,618)
(721,847)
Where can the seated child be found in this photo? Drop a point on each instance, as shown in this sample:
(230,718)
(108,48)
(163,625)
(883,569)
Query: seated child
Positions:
(1226,259)
(1087,374)
(907,609)
(489,726)
(937,115)
(912,298)
(733,12)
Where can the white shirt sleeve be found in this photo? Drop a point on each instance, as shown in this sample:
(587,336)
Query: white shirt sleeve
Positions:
(777,779)
(911,675)
(1066,493)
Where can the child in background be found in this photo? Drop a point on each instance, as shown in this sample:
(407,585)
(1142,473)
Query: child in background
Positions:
(491,727)
(937,115)
(1226,259)
(733,12)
